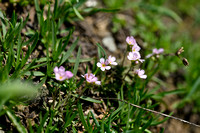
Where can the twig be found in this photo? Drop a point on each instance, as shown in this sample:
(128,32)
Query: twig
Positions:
(156,112)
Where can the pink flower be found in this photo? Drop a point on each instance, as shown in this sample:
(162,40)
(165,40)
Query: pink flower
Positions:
(158,51)
(103,65)
(61,74)
(90,78)
(130,40)
(135,48)
(140,73)
(111,60)
(134,56)
(149,55)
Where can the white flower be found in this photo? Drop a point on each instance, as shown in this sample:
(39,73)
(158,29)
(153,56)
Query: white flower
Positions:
(111,60)
(141,74)
(103,65)
(131,40)
(134,56)
(135,48)
(90,78)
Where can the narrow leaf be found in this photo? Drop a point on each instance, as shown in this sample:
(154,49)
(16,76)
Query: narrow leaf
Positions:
(77,61)
(68,53)
(77,13)
(18,125)
(80,110)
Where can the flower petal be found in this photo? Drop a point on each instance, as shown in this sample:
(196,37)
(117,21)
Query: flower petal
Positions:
(103,68)
(108,67)
(61,69)
(99,64)
(102,60)
(143,76)
(55,69)
(98,82)
(69,74)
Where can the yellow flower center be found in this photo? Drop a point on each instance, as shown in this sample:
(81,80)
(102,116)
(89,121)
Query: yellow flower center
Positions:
(103,65)
(60,77)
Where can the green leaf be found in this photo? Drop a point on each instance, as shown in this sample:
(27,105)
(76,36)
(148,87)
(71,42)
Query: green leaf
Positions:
(3,22)
(30,50)
(34,73)
(147,124)
(194,88)
(80,110)
(38,11)
(55,8)
(59,50)
(19,47)
(92,11)
(68,53)
(95,120)
(80,60)
(42,122)
(77,13)
(88,99)
(67,39)
(54,47)
(101,50)
(77,61)
(69,119)
(13,18)
(17,124)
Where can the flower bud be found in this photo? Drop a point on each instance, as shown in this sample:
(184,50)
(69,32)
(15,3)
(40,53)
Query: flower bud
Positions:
(179,51)
(185,62)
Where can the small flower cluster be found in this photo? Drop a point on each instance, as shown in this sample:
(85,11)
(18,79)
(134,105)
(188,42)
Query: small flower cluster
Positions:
(156,52)
(90,78)
(61,74)
(134,55)
(105,64)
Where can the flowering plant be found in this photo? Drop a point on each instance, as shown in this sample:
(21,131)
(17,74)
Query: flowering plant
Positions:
(105,64)
(90,78)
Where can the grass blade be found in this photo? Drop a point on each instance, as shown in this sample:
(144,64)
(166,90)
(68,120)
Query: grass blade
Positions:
(80,110)
(42,122)
(77,61)
(77,13)
(101,50)
(18,125)
(38,11)
(68,53)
